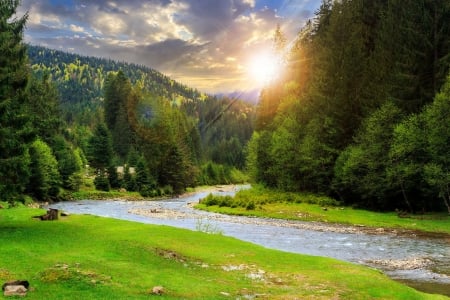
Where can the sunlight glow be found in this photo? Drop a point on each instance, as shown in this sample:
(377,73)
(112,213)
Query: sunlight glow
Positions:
(264,68)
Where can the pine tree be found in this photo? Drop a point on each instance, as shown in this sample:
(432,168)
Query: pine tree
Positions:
(117,92)
(100,148)
(43,108)
(15,130)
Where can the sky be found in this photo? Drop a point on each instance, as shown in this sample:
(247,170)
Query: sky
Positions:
(205,44)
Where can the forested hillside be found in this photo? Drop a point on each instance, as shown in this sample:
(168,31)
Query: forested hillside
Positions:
(362,111)
(61,112)
(212,135)
(80,80)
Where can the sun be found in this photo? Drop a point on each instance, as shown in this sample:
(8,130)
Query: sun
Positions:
(263,68)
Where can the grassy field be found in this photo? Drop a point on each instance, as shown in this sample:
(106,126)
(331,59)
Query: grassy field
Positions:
(87,257)
(273,204)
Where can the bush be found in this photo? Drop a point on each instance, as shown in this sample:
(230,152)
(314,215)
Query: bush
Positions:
(250,206)
(101,183)
(148,192)
(210,200)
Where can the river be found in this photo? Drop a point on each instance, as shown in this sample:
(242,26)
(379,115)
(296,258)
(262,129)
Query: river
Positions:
(422,262)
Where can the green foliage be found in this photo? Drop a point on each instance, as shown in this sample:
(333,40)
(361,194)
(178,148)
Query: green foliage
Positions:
(100,150)
(101,183)
(117,90)
(145,185)
(259,196)
(45,179)
(113,177)
(42,106)
(129,180)
(360,170)
(146,113)
(344,119)
(15,129)
(69,161)
(213,174)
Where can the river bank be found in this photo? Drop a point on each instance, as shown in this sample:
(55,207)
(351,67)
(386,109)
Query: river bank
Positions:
(404,257)
(87,257)
(329,217)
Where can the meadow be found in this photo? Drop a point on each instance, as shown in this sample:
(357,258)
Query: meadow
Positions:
(88,257)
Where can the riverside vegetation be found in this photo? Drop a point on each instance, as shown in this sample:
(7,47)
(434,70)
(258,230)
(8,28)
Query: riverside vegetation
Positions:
(268,203)
(87,257)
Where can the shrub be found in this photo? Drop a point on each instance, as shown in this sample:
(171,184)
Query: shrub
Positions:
(250,206)
(101,183)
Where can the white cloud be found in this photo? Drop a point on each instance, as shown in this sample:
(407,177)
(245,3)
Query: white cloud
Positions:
(76,28)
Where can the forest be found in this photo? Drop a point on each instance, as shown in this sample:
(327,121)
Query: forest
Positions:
(65,118)
(360,112)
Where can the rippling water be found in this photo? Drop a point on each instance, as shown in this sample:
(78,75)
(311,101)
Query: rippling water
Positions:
(420,262)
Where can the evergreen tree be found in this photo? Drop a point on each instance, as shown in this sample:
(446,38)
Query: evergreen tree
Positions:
(117,91)
(15,130)
(45,179)
(68,162)
(42,106)
(100,148)
(361,169)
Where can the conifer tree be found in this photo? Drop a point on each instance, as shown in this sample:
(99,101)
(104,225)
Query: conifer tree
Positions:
(15,131)
(42,105)
(100,148)
(117,91)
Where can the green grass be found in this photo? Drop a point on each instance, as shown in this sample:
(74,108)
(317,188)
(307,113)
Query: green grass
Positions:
(100,195)
(290,206)
(87,257)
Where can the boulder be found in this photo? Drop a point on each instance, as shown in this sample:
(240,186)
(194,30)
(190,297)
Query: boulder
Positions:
(24,283)
(15,288)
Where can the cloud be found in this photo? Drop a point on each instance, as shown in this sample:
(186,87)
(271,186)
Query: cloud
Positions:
(203,43)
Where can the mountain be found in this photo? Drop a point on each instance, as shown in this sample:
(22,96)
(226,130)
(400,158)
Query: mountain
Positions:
(225,123)
(249,96)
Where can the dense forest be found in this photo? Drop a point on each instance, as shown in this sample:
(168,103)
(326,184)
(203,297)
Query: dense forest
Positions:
(66,118)
(222,125)
(362,111)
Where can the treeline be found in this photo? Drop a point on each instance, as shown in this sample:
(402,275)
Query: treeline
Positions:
(362,110)
(225,125)
(66,112)
(80,80)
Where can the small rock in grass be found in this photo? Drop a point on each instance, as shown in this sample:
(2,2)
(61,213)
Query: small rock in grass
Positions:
(24,283)
(157,290)
(15,288)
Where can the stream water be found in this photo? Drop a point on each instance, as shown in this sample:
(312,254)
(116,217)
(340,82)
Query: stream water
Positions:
(422,262)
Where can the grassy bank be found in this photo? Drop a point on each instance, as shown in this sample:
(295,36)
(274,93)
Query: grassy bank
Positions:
(261,202)
(87,257)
